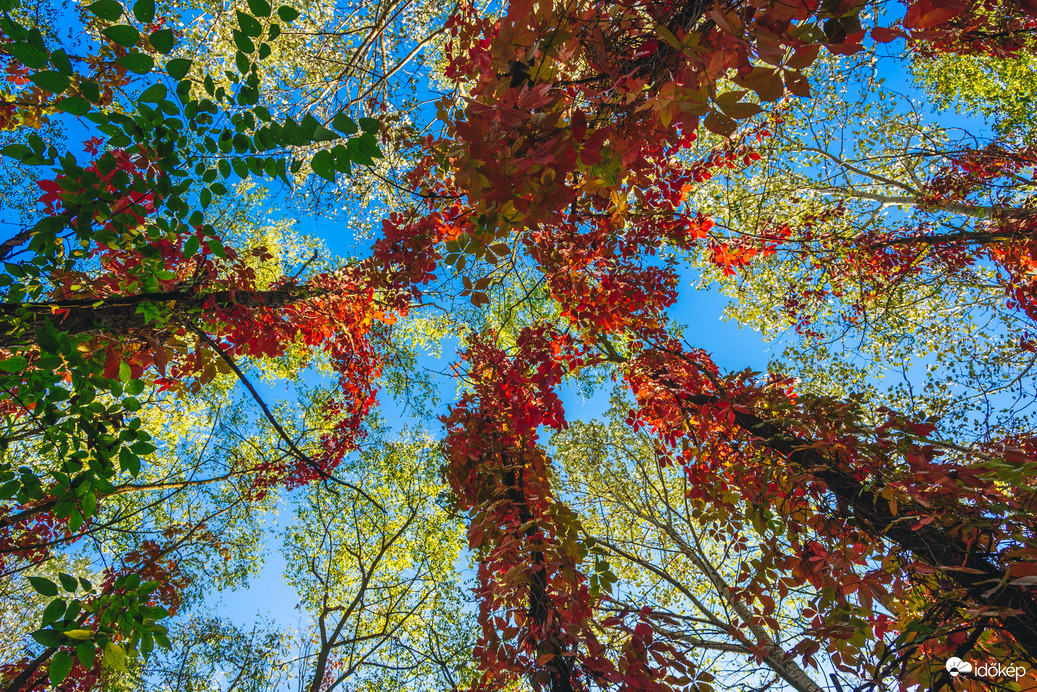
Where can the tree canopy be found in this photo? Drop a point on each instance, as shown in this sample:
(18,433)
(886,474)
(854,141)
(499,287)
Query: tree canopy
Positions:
(350,262)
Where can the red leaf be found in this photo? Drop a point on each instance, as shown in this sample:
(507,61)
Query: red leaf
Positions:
(851,45)
(579,125)
(647,48)
(923,522)
(884,34)
(926,14)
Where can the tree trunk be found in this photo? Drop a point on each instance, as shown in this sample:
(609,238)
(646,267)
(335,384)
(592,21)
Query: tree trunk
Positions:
(985,582)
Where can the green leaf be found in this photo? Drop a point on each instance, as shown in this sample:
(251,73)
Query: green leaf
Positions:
(106,9)
(85,652)
(74,105)
(15,363)
(89,501)
(143,448)
(153,94)
(129,462)
(248,24)
(48,637)
(308,127)
(30,56)
(275,31)
(248,95)
(49,225)
(178,68)
(242,62)
(125,374)
(369,125)
(60,667)
(43,586)
(13,30)
(343,163)
(137,62)
(287,14)
(290,133)
(323,134)
(90,91)
(162,41)
(50,80)
(243,42)
(19,152)
(216,248)
(8,489)
(53,612)
(144,10)
(122,34)
(191,246)
(264,141)
(323,165)
(260,8)
(369,146)
(68,582)
(61,62)
(344,124)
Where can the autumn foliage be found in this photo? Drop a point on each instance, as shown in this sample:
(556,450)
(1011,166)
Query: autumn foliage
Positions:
(576,146)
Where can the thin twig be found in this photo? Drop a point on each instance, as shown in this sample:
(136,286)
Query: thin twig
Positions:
(296,452)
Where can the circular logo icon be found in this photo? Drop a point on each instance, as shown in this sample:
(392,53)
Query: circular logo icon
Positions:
(955,666)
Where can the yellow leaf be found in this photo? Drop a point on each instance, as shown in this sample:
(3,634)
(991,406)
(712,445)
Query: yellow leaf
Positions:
(79,634)
(666,116)
(114,657)
(668,36)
